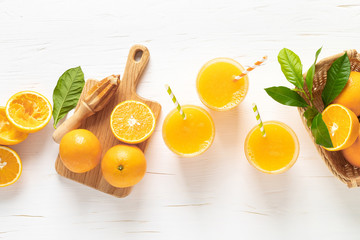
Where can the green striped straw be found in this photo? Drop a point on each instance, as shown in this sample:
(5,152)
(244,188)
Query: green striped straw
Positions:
(174,100)
(258,118)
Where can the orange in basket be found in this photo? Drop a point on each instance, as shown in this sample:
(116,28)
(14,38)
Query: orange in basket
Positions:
(343,126)
(352,153)
(350,95)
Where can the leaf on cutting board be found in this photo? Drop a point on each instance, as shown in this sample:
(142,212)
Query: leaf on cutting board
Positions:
(321,132)
(67,92)
(286,96)
(291,67)
(337,77)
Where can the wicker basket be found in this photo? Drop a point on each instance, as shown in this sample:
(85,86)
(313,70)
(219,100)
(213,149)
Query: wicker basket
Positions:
(334,160)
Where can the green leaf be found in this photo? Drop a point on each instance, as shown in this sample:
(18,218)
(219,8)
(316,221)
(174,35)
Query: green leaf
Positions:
(310,78)
(311,72)
(337,77)
(321,132)
(309,114)
(67,93)
(291,67)
(317,54)
(286,96)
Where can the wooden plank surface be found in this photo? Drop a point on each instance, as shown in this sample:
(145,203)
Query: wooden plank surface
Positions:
(217,195)
(99,124)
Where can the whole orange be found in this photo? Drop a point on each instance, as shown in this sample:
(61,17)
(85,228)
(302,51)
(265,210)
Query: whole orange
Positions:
(123,166)
(80,150)
(352,153)
(350,95)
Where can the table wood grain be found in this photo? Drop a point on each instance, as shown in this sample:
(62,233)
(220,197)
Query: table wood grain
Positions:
(217,195)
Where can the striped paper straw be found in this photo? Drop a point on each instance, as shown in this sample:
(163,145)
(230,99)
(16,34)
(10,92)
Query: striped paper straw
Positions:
(260,123)
(249,69)
(173,98)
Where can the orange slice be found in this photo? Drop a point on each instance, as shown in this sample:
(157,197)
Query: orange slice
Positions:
(343,126)
(132,122)
(10,166)
(28,111)
(9,135)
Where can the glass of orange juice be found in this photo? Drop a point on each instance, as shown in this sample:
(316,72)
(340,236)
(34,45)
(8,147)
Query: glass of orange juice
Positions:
(275,153)
(216,84)
(189,137)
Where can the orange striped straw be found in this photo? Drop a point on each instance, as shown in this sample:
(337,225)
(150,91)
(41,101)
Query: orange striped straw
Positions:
(249,69)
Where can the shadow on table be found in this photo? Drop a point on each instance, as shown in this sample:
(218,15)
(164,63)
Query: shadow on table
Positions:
(202,174)
(275,190)
(347,201)
(10,192)
(28,151)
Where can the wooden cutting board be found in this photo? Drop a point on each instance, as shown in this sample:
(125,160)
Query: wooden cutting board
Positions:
(99,123)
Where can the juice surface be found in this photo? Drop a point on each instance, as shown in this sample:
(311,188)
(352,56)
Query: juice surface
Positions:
(216,86)
(189,137)
(274,153)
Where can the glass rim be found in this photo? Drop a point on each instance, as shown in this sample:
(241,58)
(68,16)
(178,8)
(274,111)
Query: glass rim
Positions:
(295,156)
(228,60)
(195,154)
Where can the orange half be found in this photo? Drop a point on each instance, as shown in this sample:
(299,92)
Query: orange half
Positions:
(343,126)
(132,122)
(28,111)
(9,135)
(10,166)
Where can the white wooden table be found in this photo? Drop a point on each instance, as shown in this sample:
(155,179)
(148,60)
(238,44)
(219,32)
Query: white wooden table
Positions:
(214,196)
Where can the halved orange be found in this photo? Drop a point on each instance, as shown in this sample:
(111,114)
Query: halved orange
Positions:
(343,126)
(10,166)
(132,122)
(28,111)
(9,135)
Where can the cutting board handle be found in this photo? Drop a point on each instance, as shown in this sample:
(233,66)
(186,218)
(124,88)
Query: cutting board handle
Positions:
(135,67)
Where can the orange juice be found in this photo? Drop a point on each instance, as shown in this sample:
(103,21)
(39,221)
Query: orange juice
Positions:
(216,86)
(276,152)
(189,137)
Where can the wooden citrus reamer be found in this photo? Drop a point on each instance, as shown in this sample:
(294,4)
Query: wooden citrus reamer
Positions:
(99,123)
(95,100)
